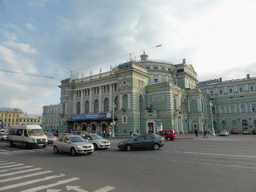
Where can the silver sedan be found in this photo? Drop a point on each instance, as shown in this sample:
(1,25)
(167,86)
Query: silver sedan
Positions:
(73,144)
(97,141)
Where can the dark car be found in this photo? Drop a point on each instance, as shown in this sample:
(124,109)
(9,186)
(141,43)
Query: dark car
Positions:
(234,131)
(254,131)
(151,141)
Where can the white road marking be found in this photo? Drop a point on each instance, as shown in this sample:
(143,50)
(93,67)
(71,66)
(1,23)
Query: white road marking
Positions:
(8,163)
(11,166)
(75,188)
(3,153)
(222,165)
(51,185)
(24,176)
(15,168)
(105,189)
(30,182)
(221,155)
(18,172)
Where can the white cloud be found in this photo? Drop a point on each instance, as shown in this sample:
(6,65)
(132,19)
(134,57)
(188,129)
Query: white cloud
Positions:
(22,47)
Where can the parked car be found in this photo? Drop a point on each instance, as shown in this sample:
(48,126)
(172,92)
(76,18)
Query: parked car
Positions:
(234,131)
(97,141)
(55,133)
(3,134)
(51,137)
(246,131)
(74,144)
(152,141)
(224,133)
(169,135)
(254,131)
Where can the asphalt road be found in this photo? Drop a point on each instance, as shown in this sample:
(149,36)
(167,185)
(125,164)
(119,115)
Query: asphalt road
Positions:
(188,164)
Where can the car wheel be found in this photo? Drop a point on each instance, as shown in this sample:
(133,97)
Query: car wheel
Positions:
(168,139)
(73,152)
(11,144)
(156,147)
(55,149)
(44,146)
(128,147)
(95,146)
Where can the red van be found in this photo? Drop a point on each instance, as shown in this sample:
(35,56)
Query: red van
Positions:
(169,135)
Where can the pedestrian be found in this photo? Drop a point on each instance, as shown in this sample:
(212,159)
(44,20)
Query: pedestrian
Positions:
(196,132)
(205,132)
(137,132)
(130,133)
(104,133)
(110,133)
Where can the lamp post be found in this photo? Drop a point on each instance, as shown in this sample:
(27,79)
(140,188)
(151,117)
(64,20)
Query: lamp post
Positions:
(213,131)
(113,123)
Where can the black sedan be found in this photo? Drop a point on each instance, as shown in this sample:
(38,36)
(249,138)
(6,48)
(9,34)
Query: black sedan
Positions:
(146,141)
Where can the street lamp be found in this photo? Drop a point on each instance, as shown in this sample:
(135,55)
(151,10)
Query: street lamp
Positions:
(211,105)
(113,123)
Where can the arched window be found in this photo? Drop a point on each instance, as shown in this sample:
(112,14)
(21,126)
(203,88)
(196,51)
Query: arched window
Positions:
(163,68)
(96,106)
(224,124)
(141,102)
(147,67)
(125,102)
(106,105)
(78,108)
(155,67)
(116,104)
(86,106)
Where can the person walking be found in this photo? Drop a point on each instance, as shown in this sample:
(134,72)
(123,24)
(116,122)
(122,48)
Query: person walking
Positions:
(196,132)
(130,133)
(205,136)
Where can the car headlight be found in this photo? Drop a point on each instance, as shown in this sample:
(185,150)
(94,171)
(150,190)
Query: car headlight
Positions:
(80,146)
(121,143)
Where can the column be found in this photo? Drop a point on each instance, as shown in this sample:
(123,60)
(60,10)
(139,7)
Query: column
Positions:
(74,103)
(82,102)
(100,99)
(90,104)
(110,96)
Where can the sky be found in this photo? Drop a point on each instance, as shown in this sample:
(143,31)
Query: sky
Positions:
(43,41)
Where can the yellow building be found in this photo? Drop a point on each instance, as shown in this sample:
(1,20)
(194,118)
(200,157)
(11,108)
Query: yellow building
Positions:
(30,119)
(10,116)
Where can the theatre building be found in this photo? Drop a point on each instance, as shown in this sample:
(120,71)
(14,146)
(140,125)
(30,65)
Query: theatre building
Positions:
(144,96)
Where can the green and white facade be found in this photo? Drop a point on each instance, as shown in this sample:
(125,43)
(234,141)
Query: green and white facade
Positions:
(234,102)
(148,96)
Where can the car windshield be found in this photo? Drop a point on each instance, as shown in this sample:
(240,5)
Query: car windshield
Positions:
(76,139)
(32,132)
(96,137)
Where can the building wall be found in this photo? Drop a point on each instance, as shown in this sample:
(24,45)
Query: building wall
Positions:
(51,118)
(10,116)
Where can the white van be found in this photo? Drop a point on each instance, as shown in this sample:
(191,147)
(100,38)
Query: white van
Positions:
(28,135)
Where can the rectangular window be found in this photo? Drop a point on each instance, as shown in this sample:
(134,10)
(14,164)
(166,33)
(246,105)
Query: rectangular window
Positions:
(222,109)
(230,91)
(241,90)
(211,93)
(251,88)
(243,108)
(232,108)
(221,91)
(213,110)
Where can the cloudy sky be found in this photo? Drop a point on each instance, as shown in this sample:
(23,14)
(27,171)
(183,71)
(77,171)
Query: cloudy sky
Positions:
(42,41)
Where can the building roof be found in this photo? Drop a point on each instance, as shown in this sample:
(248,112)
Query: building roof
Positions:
(30,116)
(13,110)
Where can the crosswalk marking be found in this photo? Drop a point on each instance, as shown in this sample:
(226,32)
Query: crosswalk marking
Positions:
(7,163)
(105,189)
(30,182)
(10,166)
(15,168)
(24,176)
(51,185)
(18,172)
